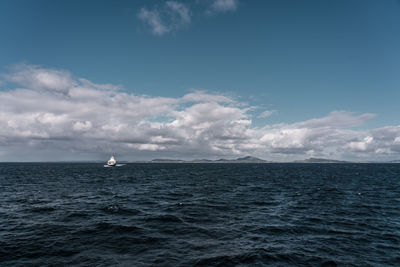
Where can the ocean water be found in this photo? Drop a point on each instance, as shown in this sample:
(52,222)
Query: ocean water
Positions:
(200,215)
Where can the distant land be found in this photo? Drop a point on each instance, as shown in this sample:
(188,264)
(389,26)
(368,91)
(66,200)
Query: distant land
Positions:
(250,159)
(320,160)
(247,159)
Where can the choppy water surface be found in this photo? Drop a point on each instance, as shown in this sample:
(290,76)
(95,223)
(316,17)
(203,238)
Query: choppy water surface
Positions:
(200,214)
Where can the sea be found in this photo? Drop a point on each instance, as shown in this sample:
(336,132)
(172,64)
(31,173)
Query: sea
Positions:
(76,214)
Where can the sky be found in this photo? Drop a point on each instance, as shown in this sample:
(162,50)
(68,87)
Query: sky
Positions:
(280,79)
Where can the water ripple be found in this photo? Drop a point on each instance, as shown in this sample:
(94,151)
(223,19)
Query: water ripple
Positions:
(200,215)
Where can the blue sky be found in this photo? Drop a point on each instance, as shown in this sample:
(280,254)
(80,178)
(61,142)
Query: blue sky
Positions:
(299,60)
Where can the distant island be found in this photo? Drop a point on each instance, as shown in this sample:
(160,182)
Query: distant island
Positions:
(320,160)
(247,159)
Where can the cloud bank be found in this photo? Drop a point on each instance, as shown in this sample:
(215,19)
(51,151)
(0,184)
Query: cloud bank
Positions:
(48,114)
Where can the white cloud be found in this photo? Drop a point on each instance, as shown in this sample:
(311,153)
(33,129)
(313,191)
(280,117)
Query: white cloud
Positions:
(337,119)
(361,145)
(57,116)
(201,96)
(221,6)
(153,19)
(173,15)
(82,126)
(170,17)
(267,113)
(181,10)
(38,78)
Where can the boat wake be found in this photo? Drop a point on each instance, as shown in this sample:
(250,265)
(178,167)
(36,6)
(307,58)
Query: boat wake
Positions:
(117,165)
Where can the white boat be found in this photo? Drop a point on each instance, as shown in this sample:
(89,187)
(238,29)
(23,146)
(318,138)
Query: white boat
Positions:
(111,162)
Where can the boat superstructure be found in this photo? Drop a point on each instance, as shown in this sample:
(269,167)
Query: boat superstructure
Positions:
(111,162)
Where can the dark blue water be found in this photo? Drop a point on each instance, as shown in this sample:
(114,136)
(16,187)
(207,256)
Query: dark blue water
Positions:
(200,215)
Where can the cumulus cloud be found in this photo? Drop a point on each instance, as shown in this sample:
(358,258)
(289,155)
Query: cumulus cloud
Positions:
(170,17)
(52,114)
(361,145)
(39,78)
